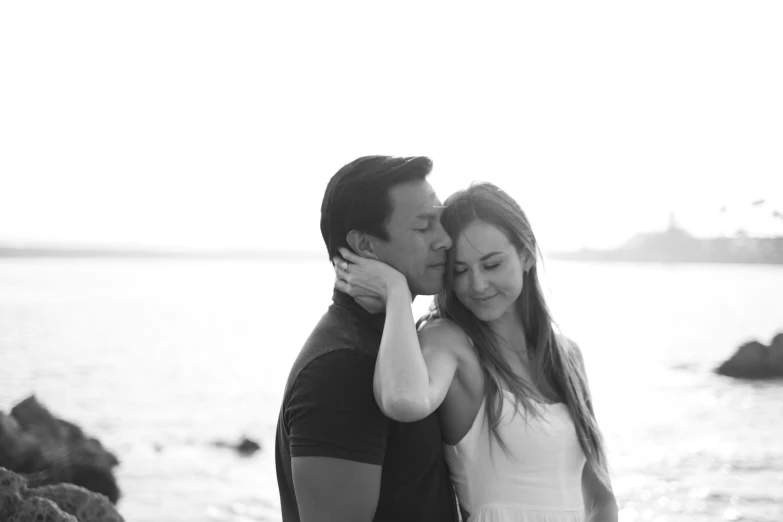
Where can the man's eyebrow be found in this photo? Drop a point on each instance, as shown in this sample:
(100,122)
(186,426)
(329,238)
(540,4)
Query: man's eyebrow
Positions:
(431,214)
(483,258)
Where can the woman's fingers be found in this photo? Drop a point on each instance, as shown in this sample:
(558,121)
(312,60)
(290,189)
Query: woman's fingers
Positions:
(340,263)
(348,255)
(342,286)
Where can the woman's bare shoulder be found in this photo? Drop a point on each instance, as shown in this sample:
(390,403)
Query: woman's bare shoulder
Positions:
(443,327)
(571,349)
(445,334)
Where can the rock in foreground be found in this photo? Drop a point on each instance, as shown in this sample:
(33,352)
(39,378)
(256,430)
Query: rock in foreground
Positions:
(754,360)
(59,503)
(48,450)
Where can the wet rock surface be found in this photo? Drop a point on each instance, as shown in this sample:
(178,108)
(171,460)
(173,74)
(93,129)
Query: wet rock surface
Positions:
(56,503)
(755,360)
(49,450)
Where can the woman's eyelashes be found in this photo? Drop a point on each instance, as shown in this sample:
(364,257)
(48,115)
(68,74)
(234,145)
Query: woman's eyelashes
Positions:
(491,266)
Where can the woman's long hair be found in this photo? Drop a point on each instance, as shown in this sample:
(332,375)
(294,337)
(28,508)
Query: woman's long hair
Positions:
(551,359)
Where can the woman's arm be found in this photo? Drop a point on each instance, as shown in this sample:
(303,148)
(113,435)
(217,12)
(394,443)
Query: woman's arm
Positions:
(600,503)
(412,373)
(411,379)
(599,499)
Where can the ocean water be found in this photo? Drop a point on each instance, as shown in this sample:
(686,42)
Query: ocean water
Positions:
(160,358)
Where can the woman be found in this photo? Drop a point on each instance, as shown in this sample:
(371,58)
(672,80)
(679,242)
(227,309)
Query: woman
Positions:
(512,397)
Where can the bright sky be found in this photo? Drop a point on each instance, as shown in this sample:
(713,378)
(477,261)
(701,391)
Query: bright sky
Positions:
(218,124)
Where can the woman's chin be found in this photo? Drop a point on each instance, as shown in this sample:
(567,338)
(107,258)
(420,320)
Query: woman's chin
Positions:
(487,315)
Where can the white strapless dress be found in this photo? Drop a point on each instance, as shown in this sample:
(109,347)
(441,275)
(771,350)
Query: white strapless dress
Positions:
(540,480)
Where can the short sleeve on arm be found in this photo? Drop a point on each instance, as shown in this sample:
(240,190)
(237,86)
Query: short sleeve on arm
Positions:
(331,411)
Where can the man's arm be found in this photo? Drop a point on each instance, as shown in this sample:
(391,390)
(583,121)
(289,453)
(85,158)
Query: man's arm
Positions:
(329,489)
(337,439)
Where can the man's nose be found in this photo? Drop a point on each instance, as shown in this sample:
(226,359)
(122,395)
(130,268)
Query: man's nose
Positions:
(443,242)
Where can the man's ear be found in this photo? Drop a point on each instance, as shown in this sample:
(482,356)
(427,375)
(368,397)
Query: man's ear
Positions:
(361,243)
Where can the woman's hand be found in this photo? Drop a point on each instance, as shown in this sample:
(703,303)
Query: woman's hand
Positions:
(366,278)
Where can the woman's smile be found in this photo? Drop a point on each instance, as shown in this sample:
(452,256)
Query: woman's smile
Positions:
(485,300)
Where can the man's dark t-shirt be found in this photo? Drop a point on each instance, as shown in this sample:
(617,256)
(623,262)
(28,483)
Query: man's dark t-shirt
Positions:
(329,411)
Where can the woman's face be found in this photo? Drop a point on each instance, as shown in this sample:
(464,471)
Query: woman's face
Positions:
(488,271)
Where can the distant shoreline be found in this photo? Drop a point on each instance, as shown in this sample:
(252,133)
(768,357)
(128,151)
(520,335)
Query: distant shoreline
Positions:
(601,256)
(675,245)
(612,256)
(671,246)
(115,253)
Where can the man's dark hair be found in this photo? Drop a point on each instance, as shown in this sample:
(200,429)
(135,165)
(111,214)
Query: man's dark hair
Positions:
(357,197)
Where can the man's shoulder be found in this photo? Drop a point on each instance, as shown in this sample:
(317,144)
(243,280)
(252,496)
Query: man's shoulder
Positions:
(338,329)
(337,345)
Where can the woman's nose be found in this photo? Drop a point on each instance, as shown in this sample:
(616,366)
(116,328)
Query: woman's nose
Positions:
(479,282)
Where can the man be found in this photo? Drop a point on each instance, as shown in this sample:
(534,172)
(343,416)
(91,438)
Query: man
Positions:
(338,457)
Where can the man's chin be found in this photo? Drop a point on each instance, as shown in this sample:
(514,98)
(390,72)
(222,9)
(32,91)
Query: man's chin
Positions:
(425,288)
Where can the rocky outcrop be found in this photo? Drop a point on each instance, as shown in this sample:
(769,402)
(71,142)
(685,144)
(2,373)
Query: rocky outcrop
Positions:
(48,450)
(244,447)
(80,502)
(754,360)
(58,503)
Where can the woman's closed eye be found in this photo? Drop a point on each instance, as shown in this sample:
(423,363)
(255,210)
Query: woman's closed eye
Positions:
(460,271)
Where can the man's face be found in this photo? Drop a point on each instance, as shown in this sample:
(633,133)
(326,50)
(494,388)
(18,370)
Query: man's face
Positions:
(417,242)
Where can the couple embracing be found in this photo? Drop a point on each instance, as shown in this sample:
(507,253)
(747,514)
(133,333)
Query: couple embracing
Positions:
(483,413)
